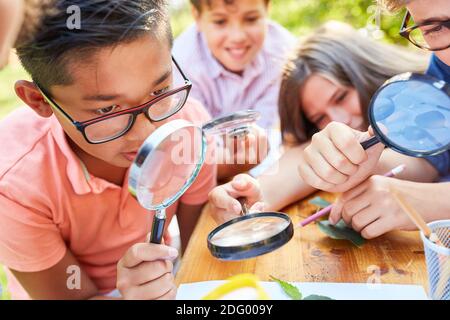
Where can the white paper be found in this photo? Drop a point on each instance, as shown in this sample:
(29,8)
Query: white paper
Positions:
(337,291)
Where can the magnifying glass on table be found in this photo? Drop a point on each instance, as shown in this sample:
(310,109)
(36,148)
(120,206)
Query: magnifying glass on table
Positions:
(410,114)
(171,158)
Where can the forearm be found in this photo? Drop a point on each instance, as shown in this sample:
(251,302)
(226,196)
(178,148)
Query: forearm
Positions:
(431,200)
(284,185)
(417,169)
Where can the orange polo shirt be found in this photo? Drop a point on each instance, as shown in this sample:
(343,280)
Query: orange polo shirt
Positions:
(49,202)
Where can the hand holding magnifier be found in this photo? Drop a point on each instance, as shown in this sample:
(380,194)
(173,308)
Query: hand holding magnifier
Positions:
(410,114)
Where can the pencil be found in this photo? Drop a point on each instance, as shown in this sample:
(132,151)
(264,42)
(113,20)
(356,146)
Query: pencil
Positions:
(327,210)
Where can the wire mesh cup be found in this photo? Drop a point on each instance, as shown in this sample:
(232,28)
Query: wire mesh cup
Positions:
(438,260)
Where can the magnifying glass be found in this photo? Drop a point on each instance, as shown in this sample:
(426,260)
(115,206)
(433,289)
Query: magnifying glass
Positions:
(410,114)
(250,236)
(170,160)
(165,167)
(234,125)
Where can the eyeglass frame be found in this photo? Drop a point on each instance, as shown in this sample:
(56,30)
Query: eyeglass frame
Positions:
(134,111)
(406,31)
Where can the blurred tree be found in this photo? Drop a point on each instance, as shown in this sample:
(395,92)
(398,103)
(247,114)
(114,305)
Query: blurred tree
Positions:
(302,16)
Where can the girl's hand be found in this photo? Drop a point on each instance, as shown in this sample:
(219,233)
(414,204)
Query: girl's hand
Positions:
(248,150)
(145,272)
(223,199)
(335,161)
(371,209)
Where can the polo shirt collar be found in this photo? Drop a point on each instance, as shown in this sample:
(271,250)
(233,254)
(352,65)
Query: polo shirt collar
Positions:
(81,180)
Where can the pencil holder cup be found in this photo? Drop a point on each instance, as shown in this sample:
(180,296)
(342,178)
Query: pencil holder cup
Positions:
(438,260)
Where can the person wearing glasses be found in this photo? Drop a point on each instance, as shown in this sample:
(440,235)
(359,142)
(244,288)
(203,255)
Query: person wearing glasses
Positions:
(69,228)
(367,204)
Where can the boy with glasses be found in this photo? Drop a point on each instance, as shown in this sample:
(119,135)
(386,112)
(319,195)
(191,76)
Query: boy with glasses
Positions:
(69,228)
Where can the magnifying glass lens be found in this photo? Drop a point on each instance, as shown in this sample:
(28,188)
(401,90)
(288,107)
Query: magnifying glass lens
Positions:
(170,165)
(412,116)
(249,231)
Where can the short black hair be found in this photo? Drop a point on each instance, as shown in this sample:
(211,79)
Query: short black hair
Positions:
(198,4)
(104,23)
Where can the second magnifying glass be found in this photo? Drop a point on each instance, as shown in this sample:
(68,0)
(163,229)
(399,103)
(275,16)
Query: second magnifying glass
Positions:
(410,114)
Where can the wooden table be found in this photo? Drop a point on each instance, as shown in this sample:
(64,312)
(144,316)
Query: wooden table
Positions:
(310,256)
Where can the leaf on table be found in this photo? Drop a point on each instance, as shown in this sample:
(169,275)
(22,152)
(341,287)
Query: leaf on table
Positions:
(318,201)
(294,293)
(317,297)
(341,231)
(289,289)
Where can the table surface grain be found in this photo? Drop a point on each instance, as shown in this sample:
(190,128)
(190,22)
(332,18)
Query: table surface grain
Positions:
(311,256)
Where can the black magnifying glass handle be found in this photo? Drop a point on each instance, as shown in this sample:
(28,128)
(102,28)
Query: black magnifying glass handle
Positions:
(159,221)
(370,143)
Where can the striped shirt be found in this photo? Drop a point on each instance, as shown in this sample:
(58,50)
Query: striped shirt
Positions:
(223,92)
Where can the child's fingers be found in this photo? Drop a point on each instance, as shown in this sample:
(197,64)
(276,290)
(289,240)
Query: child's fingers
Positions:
(311,178)
(147,252)
(355,192)
(171,295)
(363,218)
(245,185)
(258,207)
(149,271)
(336,158)
(221,199)
(375,229)
(322,167)
(336,212)
(241,182)
(347,141)
(153,289)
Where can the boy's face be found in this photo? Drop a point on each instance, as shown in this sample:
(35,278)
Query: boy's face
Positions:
(423,10)
(235,33)
(113,80)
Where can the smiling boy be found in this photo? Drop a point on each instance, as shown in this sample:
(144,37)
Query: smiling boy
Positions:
(97,94)
(234,56)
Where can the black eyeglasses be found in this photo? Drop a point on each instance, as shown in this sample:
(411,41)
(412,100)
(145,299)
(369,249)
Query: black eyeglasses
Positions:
(432,35)
(115,125)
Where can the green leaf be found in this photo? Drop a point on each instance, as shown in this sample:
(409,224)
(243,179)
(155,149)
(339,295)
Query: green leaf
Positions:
(318,201)
(317,297)
(341,231)
(289,289)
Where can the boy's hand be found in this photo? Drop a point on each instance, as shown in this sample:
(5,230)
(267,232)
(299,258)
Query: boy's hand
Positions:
(371,209)
(335,161)
(223,199)
(251,149)
(145,272)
